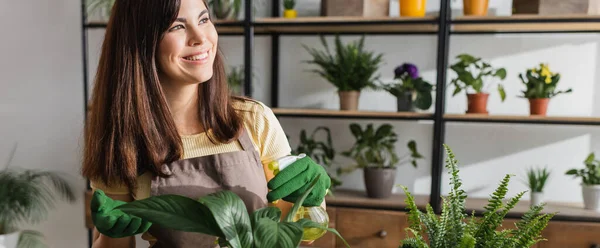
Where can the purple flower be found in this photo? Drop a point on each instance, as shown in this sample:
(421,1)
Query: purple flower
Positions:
(406,69)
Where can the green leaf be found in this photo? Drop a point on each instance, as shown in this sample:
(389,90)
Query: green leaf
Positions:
(590,158)
(571,172)
(231,216)
(501,73)
(269,233)
(502,92)
(424,100)
(356,130)
(272,213)
(306,223)
(174,212)
(290,216)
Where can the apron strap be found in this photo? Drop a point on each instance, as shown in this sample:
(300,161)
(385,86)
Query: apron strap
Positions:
(245,141)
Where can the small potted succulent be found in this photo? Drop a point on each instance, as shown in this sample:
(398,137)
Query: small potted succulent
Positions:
(473,73)
(288,9)
(536,181)
(374,151)
(590,183)
(541,86)
(351,69)
(410,89)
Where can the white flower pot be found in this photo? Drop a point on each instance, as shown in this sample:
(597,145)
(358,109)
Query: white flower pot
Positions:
(591,197)
(536,198)
(9,240)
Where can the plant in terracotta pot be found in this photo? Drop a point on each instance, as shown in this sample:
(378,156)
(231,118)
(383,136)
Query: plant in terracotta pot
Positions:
(374,151)
(410,89)
(541,86)
(288,9)
(351,69)
(590,182)
(536,181)
(453,228)
(321,151)
(26,196)
(473,74)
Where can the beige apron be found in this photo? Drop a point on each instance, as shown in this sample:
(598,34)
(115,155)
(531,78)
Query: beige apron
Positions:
(240,172)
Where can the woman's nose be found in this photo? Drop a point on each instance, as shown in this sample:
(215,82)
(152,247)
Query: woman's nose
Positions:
(197,37)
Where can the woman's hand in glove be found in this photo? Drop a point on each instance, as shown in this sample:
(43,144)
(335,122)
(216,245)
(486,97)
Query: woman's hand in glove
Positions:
(290,183)
(113,222)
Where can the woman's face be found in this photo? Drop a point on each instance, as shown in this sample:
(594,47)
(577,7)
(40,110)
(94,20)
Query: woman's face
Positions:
(187,51)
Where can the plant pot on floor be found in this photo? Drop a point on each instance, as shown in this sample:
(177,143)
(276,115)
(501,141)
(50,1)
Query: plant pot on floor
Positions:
(536,198)
(591,197)
(405,102)
(379,181)
(475,7)
(9,240)
(349,100)
(538,106)
(477,103)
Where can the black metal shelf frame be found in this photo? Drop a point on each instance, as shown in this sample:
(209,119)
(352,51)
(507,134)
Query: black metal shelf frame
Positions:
(444,24)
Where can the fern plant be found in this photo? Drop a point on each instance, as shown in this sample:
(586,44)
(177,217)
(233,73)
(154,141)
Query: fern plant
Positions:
(453,229)
(25,198)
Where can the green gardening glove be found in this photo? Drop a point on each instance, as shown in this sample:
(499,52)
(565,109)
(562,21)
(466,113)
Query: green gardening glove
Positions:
(290,183)
(112,222)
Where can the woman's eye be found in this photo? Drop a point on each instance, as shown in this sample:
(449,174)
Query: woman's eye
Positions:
(176,28)
(204,20)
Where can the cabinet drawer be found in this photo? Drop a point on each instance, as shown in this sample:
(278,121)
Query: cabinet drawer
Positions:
(561,234)
(370,228)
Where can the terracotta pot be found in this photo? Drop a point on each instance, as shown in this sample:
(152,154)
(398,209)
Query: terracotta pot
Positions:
(538,106)
(379,181)
(475,7)
(412,8)
(349,100)
(477,103)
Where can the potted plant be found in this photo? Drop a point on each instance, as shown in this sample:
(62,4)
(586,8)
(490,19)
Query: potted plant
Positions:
(452,229)
(541,86)
(536,181)
(223,215)
(235,80)
(105,7)
(321,152)
(590,182)
(475,7)
(351,69)
(288,9)
(374,151)
(410,89)
(471,74)
(225,9)
(25,197)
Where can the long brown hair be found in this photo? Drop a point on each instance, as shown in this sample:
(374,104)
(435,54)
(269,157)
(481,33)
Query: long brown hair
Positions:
(130,128)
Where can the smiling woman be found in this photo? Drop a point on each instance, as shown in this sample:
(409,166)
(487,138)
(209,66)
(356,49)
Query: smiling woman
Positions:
(162,121)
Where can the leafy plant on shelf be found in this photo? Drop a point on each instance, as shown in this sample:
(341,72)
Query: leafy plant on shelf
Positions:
(289,4)
(541,83)
(376,148)
(537,179)
(26,196)
(224,215)
(320,151)
(94,5)
(590,175)
(409,82)
(472,73)
(352,68)
(453,230)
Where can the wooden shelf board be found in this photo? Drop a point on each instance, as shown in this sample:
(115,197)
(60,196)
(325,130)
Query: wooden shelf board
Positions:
(526,23)
(358,198)
(346,24)
(350,114)
(223,27)
(521,119)
(528,17)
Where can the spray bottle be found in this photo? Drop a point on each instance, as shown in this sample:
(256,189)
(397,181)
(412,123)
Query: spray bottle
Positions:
(316,214)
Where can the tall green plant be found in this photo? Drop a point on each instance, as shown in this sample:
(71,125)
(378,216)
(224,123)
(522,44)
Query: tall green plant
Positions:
(376,148)
(537,179)
(321,151)
(26,196)
(590,175)
(224,215)
(472,73)
(453,229)
(352,68)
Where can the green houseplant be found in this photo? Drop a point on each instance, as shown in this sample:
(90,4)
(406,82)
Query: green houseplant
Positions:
(472,74)
(224,215)
(410,89)
(103,6)
(452,229)
(288,9)
(26,196)
(235,79)
(374,151)
(321,151)
(540,86)
(226,9)
(536,181)
(590,182)
(351,69)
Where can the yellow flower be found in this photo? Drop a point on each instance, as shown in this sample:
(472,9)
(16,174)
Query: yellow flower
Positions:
(545,72)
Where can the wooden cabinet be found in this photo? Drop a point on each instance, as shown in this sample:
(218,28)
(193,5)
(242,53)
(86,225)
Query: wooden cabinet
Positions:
(370,228)
(561,234)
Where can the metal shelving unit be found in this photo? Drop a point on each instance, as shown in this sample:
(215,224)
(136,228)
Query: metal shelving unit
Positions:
(442,26)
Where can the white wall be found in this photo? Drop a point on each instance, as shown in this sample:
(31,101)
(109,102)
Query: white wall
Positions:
(41,101)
